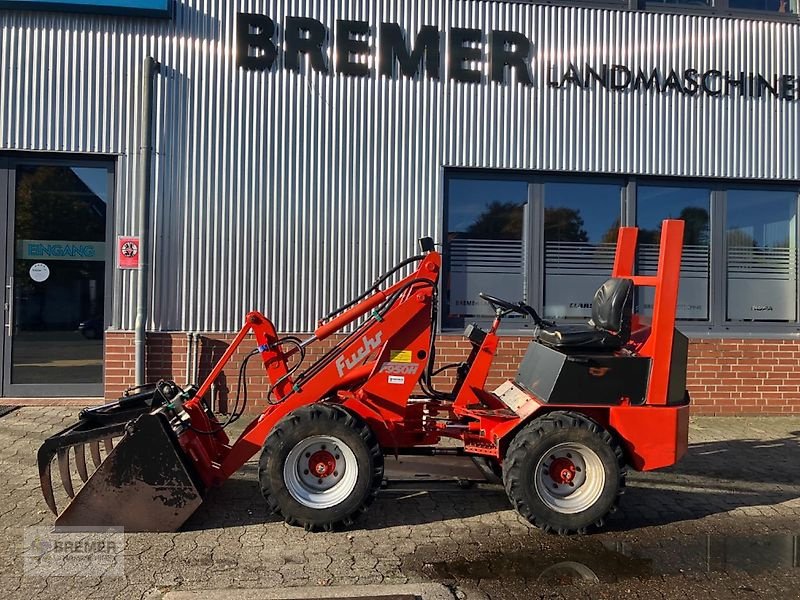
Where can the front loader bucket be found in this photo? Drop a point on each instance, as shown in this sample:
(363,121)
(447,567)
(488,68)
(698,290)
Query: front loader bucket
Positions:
(144,483)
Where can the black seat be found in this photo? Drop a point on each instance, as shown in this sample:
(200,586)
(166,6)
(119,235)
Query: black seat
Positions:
(609,328)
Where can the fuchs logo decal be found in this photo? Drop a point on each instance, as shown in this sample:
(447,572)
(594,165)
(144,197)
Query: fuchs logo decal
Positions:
(367,346)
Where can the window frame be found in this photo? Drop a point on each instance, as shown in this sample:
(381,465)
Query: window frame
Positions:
(537,198)
(716,326)
(719,8)
(527,244)
(746,326)
(9,161)
(713,188)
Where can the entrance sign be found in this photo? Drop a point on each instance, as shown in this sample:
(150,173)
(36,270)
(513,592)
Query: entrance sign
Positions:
(60,250)
(128,254)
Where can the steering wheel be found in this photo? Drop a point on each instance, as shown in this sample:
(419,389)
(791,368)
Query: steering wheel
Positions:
(520,308)
(496,303)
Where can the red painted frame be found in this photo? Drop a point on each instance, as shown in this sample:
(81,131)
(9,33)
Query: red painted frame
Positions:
(375,370)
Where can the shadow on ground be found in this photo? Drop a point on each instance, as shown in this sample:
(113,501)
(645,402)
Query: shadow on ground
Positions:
(406,502)
(713,478)
(774,461)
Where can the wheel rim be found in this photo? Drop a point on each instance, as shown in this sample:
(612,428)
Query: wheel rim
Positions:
(320,471)
(570,478)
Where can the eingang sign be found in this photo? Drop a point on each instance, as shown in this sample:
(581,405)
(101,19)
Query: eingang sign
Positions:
(60,250)
(153,8)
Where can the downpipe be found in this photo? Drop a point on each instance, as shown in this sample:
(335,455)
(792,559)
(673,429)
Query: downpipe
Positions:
(149,70)
(190,358)
(196,359)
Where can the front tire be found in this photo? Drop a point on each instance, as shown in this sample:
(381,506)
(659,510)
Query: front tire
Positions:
(563,472)
(321,467)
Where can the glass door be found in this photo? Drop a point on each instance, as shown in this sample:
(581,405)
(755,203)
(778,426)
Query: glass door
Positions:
(56,274)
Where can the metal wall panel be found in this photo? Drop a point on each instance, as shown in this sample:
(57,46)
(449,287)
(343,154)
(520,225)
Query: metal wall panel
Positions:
(289,192)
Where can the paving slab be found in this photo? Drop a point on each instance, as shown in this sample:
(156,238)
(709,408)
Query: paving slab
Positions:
(723,523)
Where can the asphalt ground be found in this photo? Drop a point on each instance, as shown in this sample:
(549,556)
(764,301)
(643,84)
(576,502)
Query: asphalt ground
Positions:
(724,523)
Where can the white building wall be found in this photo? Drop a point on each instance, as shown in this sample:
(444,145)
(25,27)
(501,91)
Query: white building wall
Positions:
(288,192)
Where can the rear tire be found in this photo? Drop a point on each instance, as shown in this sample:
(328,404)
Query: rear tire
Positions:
(321,467)
(563,472)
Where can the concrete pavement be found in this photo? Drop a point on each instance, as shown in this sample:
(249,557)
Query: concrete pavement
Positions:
(723,522)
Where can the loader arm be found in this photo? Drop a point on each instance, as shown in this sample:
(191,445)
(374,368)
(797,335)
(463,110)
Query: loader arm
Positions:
(402,310)
(175,428)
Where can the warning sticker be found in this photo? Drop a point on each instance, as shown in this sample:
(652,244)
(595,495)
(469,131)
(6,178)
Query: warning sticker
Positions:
(400,356)
(128,252)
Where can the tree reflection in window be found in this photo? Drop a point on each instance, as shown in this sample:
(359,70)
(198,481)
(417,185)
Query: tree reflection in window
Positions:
(692,205)
(580,227)
(500,221)
(562,224)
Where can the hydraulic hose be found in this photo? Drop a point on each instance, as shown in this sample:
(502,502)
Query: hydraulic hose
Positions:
(375,285)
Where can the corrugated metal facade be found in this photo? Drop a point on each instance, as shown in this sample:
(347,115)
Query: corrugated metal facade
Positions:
(288,192)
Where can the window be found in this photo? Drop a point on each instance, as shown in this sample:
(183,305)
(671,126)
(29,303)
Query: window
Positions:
(775,6)
(580,233)
(654,203)
(550,240)
(761,244)
(485,235)
(689,3)
(766,7)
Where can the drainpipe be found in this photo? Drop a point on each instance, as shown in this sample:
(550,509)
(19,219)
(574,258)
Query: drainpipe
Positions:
(196,359)
(149,69)
(189,357)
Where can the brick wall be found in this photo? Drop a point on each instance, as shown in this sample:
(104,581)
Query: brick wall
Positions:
(744,376)
(730,376)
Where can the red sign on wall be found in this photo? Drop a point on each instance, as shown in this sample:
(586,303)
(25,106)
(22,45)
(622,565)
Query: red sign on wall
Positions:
(128,252)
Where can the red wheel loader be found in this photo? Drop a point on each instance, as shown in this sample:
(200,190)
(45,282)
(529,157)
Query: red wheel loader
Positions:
(589,401)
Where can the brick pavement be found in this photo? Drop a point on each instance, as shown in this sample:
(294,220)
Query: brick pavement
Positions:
(724,522)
